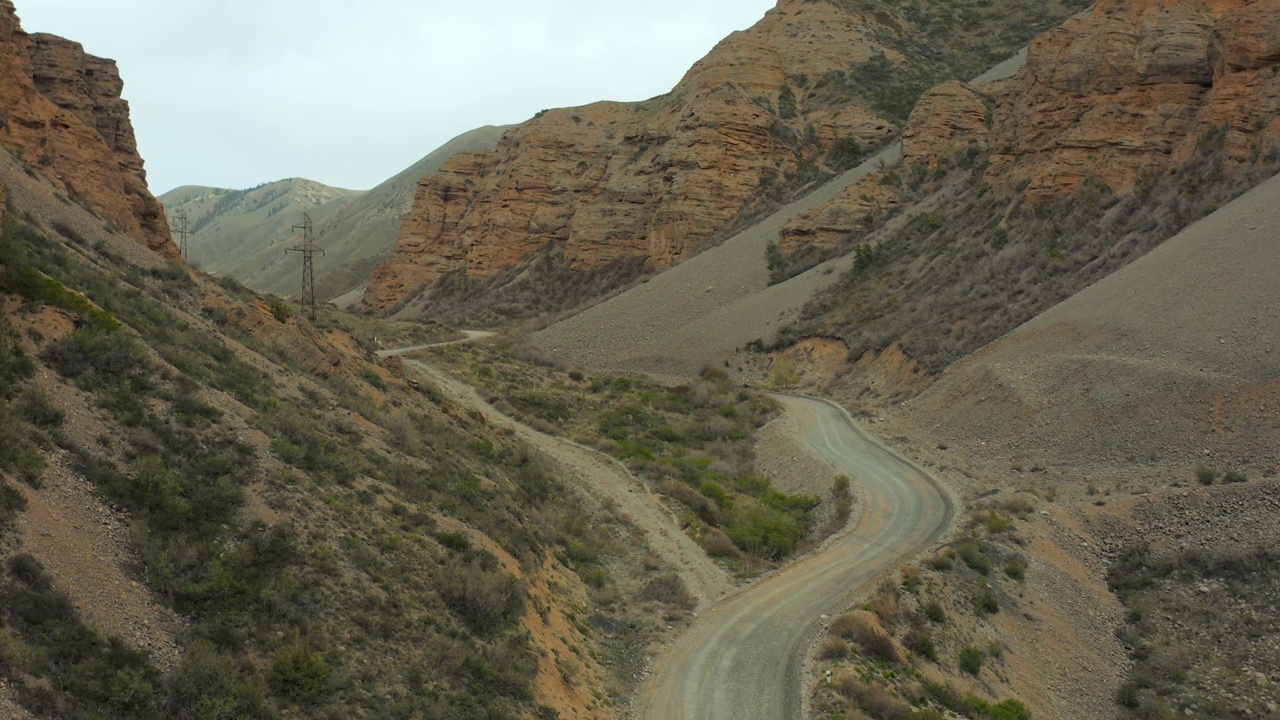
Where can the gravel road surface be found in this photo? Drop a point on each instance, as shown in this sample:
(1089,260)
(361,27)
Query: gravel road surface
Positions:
(743,659)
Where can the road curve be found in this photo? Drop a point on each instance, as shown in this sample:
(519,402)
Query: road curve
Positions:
(743,659)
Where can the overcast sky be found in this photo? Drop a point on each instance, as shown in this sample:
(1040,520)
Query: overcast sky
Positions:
(234,93)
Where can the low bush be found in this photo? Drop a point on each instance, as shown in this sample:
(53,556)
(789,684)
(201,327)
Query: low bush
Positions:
(1206,475)
(1016,568)
(971,552)
(832,648)
(970,660)
(921,643)
(299,673)
(984,603)
(481,594)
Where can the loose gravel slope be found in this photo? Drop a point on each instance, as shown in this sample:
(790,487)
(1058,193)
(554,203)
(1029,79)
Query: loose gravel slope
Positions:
(1175,358)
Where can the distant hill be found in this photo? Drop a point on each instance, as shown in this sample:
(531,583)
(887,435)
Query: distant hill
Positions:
(243,233)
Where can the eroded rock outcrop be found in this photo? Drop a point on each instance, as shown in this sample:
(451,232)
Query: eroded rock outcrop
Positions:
(61,111)
(1134,87)
(948,121)
(619,182)
(826,226)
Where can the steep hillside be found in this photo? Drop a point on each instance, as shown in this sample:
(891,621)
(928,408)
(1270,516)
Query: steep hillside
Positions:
(241,234)
(61,112)
(585,199)
(210,507)
(205,502)
(1072,189)
(1169,360)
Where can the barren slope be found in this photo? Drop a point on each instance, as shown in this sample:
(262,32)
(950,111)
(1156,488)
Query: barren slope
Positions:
(1170,359)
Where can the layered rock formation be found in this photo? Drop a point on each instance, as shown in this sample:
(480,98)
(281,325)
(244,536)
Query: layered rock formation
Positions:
(653,180)
(61,111)
(949,120)
(1135,87)
(827,226)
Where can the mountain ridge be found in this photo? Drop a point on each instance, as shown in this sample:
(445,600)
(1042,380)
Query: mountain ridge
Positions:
(246,241)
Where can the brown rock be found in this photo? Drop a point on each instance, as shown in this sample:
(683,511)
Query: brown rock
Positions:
(826,226)
(949,120)
(1133,87)
(61,110)
(643,182)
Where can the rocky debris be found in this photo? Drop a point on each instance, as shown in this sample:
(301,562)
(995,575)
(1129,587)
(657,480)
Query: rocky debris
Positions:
(948,121)
(1133,87)
(1151,366)
(613,182)
(61,112)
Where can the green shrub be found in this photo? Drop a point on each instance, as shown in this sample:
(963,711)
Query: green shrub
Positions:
(483,596)
(39,410)
(765,531)
(933,610)
(984,603)
(1004,710)
(921,643)
(997,523)
(1205,474)
(1016,568)
(1234,476)
(210,684)
(971,660)
(280,309)
(299,673)
(669,589)
(973,556)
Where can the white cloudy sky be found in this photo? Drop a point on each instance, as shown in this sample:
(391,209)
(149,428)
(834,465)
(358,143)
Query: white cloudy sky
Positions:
(238,92)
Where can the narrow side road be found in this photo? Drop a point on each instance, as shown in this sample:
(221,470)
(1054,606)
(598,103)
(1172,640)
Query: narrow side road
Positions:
(602,481)
(744,659)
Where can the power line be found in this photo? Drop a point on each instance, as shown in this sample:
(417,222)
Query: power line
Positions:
(308,249)
(183,232)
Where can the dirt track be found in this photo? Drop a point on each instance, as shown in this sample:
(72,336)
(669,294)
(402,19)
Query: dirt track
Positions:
(744,659)
(602,481)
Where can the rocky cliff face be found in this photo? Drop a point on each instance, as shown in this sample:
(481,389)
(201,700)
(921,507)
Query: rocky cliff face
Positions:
(811,87)
(1133,88)
(61,111)
(949,121)
(615,182)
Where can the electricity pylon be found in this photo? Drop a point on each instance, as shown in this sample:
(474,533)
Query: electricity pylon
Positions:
(308,249)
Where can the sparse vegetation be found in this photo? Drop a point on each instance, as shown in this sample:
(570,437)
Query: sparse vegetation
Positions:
(693,442)
(1190,645)
(355,608)
(1015,255)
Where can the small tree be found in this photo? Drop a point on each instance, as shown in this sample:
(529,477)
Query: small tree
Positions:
(971,660)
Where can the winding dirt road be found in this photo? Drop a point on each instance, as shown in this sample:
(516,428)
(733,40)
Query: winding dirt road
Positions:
(601,481)
(744,659)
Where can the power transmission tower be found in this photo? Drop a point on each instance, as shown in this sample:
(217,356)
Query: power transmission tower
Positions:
(308,249)
(183,232)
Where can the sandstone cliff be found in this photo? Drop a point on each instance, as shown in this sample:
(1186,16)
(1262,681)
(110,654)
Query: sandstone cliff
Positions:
(949,121)
(61,111)
(1133,88)
(812,86)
